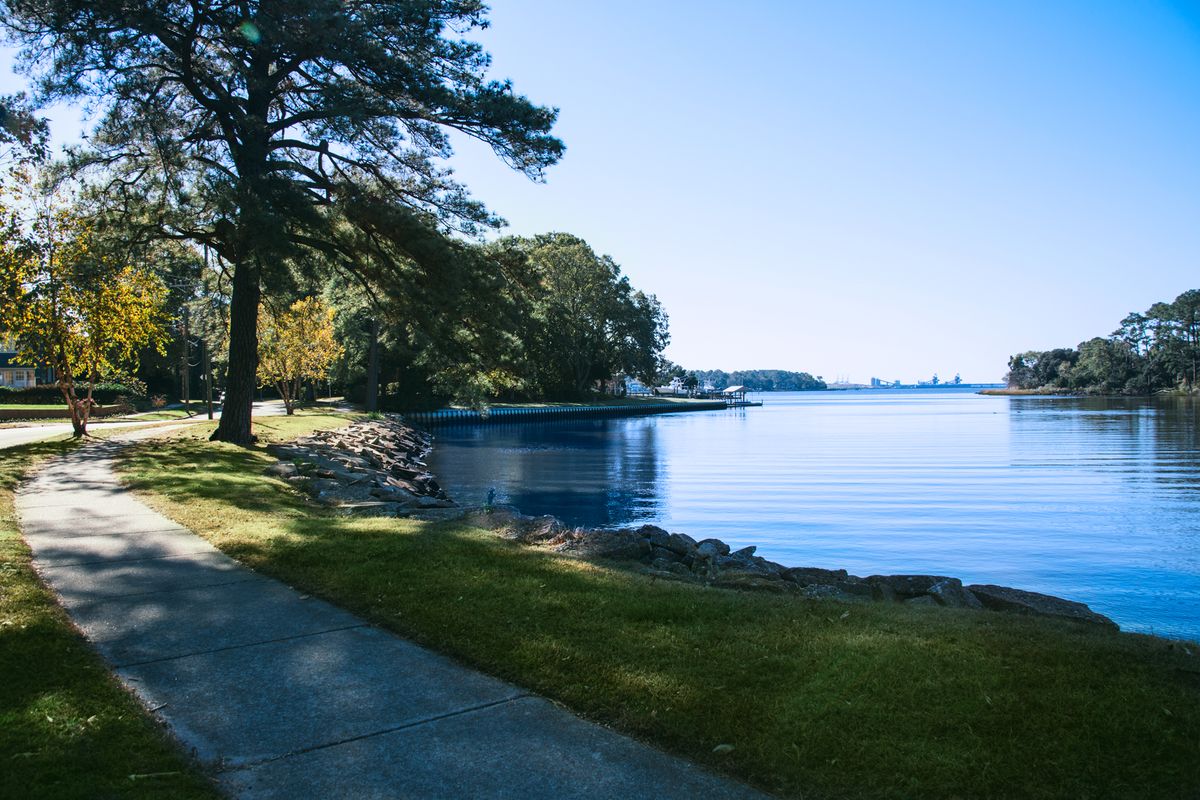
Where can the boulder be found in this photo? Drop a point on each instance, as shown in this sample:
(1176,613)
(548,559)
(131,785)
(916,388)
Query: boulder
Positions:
(747,581)
(622,544)
(325,490)
(663,554)
(654,534)
(681,543)
(812,576)
(753,565)
(905,586)
(1004,598)
(856,587)
(712,547)
(922,600)
(952,593)
(745,552)
(672,568)
(283,469)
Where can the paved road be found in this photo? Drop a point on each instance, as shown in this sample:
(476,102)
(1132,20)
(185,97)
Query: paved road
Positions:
(11,437)
(285,696)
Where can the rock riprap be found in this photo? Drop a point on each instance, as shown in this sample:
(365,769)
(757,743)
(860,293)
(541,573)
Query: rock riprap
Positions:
(373,465)
(712,562)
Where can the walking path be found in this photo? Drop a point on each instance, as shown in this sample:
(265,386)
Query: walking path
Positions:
(12,437)
(286,696)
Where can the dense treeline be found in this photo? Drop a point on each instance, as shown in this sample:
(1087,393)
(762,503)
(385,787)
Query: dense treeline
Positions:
(558,321)
(760,380)
(1151,351)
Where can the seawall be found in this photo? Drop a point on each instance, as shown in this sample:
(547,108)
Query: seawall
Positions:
(458,416)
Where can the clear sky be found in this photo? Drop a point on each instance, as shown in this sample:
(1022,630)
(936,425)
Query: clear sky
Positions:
(864,188)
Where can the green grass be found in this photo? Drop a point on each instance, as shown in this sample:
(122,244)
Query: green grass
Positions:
(160,415)
(818,699)
(67,728)
(32,406)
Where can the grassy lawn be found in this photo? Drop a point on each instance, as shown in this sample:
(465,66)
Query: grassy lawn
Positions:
(32,406)
(67,728)
(162,415)
(817,699)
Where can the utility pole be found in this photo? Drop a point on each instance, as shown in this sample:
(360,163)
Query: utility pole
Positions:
(207,377)
(185,389)
(372,399)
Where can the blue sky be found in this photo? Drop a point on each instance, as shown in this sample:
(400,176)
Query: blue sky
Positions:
(865,188)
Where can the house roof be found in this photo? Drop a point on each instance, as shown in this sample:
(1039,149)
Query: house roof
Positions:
(733,389)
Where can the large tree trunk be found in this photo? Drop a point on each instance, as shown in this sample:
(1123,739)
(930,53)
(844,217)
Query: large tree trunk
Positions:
(235,425)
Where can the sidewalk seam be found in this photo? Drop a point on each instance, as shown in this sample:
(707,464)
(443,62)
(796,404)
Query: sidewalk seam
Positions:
(414,724)
(230,647)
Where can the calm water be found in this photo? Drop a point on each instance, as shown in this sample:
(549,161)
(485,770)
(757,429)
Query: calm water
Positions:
(1094,499)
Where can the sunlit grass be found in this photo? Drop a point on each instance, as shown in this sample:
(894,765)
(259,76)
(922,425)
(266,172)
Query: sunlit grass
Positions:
(67,728)
(817,699)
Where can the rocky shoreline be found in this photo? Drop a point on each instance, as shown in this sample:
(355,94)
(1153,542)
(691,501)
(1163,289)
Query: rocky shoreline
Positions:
(369,466)
(377,467)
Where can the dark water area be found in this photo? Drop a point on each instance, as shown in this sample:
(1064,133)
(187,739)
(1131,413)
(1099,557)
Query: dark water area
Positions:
(1093,499)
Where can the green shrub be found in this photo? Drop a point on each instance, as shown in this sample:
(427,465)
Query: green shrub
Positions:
(49,394)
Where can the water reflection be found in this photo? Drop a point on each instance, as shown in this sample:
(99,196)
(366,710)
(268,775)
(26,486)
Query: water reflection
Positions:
(599,473)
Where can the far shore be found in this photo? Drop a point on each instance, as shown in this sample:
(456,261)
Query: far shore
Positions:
(1033,392)
(1050,392)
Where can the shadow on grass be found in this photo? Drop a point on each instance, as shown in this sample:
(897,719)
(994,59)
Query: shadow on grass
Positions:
(815,697)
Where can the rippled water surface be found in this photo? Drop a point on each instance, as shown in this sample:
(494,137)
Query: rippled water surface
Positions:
(1094,499)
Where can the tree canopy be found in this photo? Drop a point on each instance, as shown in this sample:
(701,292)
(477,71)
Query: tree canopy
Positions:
(286,136)
(1150,351)
(72,306)
(761,380)
(585,322)
(295,345)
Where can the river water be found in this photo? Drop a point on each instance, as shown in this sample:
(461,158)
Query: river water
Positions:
(1093,499)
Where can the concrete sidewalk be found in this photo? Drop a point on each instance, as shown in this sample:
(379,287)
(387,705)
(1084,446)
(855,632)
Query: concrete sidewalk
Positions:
(282,695)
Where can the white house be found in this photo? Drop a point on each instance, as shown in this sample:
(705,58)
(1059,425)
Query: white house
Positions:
(16,376)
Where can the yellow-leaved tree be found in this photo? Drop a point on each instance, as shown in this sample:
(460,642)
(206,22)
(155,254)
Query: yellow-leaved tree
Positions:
(294,346)
(72,307)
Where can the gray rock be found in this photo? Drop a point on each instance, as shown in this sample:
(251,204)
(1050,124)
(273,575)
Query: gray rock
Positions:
(663,554)
(712,547)
(922,600)
(745,552)
(326,487)
(283,469)
(857,587)
(681,543)
(1004,598)
(623,544)
(810,576)
(906,586)
(749,564)
(751,582)
(952,593)
(655,535)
